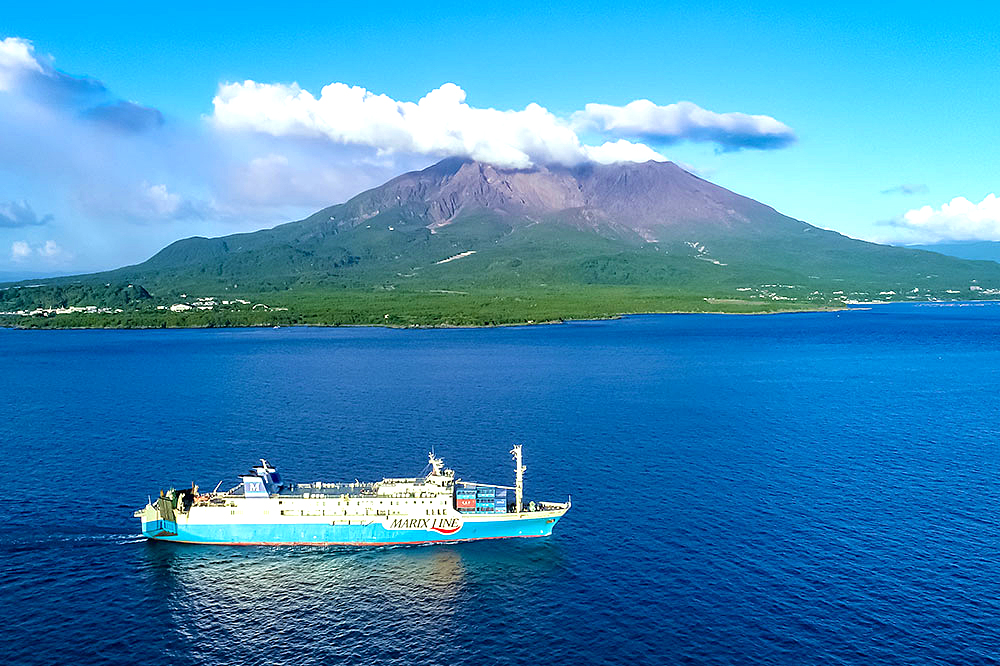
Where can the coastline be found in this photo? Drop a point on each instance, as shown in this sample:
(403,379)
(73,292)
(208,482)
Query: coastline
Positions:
(54,325)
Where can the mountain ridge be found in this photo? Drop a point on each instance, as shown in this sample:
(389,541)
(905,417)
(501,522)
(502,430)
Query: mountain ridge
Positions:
(648,194)
(461,226)
(648,207)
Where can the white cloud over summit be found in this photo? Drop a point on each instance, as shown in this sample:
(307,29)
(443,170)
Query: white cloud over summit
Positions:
(439,124)
(621,150)
(442,123)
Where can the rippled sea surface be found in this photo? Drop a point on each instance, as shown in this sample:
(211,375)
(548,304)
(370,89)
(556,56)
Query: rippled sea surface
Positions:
(790,489)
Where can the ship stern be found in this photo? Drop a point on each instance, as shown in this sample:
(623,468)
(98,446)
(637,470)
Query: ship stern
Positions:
(153,524)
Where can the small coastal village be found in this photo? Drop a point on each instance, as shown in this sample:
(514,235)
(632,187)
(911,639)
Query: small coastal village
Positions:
(202,303)
(212,303)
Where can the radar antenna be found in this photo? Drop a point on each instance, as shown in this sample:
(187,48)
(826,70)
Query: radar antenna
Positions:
(437,464)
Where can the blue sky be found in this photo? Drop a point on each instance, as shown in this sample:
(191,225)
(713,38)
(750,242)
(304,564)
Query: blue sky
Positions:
(880,110)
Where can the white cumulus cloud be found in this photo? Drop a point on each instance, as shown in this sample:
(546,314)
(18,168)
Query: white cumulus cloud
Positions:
(50,249)
(16,58)
(645,120)
(48,252)
(959,219)
(441,123)
(20,250)
(160,201)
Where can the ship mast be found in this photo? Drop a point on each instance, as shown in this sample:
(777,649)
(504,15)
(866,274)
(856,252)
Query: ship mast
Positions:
(519,484)
(437,464)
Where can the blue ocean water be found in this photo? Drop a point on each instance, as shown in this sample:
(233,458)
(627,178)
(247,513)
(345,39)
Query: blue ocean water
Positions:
(788,489)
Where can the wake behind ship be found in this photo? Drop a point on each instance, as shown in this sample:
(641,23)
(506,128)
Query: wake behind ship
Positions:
(434,508)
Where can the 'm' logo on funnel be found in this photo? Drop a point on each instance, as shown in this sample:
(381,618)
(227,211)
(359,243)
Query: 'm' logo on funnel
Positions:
(253,486)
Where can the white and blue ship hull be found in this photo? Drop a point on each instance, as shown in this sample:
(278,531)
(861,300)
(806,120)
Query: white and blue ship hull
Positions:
(538,524)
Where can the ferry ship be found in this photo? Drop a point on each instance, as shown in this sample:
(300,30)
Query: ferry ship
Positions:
(435,508)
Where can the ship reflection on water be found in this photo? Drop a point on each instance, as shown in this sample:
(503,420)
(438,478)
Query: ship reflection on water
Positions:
(225,604)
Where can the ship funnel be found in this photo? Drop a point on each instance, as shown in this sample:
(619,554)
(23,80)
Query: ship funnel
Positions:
(254,486)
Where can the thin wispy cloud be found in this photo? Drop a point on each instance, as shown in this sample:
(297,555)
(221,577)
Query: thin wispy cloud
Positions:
(685,121)
(907,190)
(127,116)
(14,214)
(34,78)
(142,203)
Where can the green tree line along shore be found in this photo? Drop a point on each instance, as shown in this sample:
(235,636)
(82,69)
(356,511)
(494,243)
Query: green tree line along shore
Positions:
(399,308)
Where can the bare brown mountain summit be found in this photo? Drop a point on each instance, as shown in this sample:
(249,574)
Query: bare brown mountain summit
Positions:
(653,199)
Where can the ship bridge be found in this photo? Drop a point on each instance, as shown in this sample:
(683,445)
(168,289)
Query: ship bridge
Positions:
(437,482)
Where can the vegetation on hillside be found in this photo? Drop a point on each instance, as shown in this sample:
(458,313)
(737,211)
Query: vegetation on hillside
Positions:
(58,296)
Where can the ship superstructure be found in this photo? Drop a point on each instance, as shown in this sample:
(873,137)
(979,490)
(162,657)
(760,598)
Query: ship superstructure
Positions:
(436,507)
